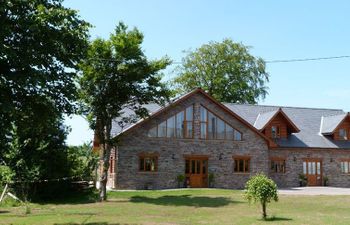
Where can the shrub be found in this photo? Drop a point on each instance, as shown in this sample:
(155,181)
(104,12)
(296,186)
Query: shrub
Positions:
(211,180)
(180,179)
(261,189)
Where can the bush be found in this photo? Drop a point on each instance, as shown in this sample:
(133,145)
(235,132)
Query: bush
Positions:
(180,180)
(260,188)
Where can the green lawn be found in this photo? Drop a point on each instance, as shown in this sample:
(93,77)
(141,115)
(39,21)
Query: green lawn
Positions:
(189,206)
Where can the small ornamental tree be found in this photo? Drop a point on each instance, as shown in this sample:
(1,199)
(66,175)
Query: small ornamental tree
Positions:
(261,189)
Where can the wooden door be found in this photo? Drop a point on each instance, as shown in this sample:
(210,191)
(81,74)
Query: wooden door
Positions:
(197,172)
(312,168)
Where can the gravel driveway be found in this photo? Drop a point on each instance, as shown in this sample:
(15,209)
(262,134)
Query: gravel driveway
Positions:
(314,191)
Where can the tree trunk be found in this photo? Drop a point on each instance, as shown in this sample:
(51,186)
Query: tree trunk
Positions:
(263,204)
(103,185)
(106,152)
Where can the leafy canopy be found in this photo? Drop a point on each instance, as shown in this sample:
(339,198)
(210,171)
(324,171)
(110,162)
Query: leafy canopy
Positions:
(41,45)
(116,76)
(226,70)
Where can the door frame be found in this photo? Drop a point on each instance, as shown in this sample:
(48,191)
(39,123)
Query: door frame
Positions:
(319,182)
(204,176)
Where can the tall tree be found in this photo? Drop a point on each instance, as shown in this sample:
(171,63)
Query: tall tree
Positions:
(118,75)
(226,70)
(41,44)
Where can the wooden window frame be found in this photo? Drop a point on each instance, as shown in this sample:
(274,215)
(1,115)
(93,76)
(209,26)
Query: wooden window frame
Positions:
(207,125)
(155,157)
(278,131)
(345,137)
(279,161)
(246,160)
(184,135)
(345,161)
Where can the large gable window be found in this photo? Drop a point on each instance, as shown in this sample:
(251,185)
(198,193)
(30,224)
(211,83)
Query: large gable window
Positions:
(212,127)
(179,125)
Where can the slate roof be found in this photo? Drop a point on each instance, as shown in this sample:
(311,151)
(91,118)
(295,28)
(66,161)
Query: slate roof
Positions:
(263,118)
(308,120)
(329,123)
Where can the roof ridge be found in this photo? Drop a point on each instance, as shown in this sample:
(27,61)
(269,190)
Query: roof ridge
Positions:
(279,106)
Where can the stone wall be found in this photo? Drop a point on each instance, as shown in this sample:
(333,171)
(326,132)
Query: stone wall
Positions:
(171,151)
(330,161)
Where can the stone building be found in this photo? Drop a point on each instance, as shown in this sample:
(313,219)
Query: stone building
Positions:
(199,137)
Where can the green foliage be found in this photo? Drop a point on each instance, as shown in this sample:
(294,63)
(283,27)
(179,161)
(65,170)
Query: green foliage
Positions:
(211,179)
(302,180)
(82,161)
(6,175)
(261,189)
(42,43)
(117,75)
(226,70)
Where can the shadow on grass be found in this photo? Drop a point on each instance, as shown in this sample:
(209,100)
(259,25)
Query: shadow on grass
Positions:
(184,200)
(276,218)
(93,223)
(72,199)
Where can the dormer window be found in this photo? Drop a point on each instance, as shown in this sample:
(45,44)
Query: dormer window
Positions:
(275,131)
(343,134)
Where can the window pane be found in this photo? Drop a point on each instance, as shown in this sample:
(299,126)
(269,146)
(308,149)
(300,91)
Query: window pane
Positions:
(189,130)
(346,167)
(246,166)
(189,113)
(187,166)
(313,171)
(148,164)
(193,166)
(152,132)
(237,135)
(241,165)
(236,165)
(203,114)
(162,129)
(142,164)
(153,164)
(309,168)
(211,126)
(304,168)
(342,167)
(318,165)
(203,130)
(220,129)
(273,132)
(204,166)
(343,134)
(229,132)
(180,124)
(171,127)
(198,163)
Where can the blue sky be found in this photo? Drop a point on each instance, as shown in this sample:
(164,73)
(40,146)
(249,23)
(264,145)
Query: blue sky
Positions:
(274,29)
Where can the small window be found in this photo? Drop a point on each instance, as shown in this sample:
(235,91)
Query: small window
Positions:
(242,165)
(278,166)
(148,163)
(343,134)
(275,131)
(345,166)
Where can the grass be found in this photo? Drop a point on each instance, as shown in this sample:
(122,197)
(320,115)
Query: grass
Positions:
(189,206)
